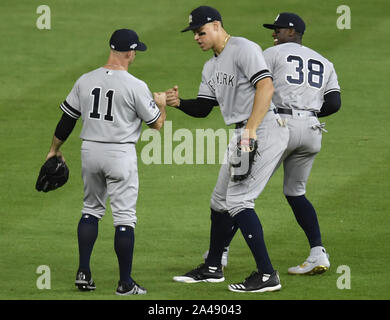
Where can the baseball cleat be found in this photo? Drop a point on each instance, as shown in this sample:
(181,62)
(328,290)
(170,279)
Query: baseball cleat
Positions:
(84,281)
(224,259)
(125,289)
(202,273)
(258,282)
(316,263)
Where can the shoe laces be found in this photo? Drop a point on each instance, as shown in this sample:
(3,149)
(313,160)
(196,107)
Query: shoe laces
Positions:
(254,274)
(312,259)
(201,266)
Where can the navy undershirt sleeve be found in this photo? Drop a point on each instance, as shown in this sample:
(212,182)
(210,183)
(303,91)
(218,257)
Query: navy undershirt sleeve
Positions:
(198,108)
(331,104)
(65,127)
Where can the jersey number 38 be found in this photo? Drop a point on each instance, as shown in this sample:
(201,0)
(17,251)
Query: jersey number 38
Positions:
(315,71)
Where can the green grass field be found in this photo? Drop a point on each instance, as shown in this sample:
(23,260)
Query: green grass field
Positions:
(349,185)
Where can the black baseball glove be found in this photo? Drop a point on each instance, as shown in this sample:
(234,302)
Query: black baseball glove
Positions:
(53,174)
(242,159)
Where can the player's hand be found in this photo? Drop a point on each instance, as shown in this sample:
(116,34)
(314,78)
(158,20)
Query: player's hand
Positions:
(173,99)
(160,98)
(57,154)
(247,134)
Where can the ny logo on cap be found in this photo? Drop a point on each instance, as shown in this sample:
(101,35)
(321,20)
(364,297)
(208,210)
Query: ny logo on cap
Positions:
(133,46)
(190,19)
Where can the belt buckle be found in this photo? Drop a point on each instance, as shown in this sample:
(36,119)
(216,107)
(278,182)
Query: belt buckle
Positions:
(300,113)
(296,113)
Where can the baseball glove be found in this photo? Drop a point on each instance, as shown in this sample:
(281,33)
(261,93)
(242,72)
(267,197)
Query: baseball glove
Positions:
(53,174)
(242,159)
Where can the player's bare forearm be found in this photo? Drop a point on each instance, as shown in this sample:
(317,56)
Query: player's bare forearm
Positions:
(160,99)
(261,103)
(163,115)
(55,148)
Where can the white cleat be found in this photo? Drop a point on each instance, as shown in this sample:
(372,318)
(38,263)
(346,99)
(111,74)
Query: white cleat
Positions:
(316,263)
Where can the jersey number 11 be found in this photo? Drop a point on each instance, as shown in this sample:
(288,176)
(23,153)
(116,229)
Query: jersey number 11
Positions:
(96,104)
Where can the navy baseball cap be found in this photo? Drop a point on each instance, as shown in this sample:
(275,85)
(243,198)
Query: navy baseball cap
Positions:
(202,15)
(126,40)
(287,20)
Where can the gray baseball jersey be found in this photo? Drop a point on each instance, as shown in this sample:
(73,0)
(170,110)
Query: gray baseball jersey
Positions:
(230,78)
(301,76)
(112,105)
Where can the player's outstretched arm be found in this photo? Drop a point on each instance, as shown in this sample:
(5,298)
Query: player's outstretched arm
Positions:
(198,108)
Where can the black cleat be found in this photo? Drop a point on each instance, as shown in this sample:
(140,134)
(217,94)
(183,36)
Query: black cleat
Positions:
(224,258)
(202,273)
(125,289)
(84,281)
(258,282)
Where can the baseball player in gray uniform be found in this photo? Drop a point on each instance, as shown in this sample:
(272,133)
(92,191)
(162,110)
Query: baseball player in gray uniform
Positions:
(238,80)
(306,88)
(112,104)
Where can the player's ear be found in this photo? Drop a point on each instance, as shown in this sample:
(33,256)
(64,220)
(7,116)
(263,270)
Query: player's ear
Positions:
(291,32)
(130,54)
(217,25)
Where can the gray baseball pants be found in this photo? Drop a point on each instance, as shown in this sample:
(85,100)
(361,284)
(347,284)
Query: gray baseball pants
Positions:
(233,197)
(109,170)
